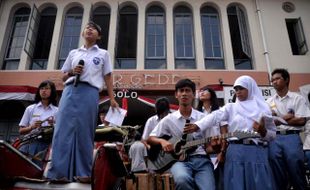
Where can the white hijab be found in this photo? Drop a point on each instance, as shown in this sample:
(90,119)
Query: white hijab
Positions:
(254,106)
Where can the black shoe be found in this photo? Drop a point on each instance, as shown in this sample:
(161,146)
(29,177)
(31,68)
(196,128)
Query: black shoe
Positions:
(82,179)
(60,181)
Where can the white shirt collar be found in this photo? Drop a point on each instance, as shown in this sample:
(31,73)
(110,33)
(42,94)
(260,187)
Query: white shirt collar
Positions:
(95,47)
(193,115)
(39,104)
(288,94)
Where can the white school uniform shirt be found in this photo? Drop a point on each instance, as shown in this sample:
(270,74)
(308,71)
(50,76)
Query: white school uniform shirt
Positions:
(36,112)
(291,101)
(137,153)
(235,121)
(149,126)
(215,130)
(173,125)
(306,145)
(242,114)
(97,63)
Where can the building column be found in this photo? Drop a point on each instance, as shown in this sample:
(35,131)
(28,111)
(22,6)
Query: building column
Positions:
(141,36)
(170,36)
(6,20)
(56,39)
(113,31)
(226,40)
(198,38)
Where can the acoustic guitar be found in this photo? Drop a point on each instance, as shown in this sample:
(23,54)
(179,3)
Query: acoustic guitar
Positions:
(161,161)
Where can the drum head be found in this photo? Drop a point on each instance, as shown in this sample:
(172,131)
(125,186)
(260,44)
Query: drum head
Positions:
(14,163)
(110,134)
(107,169)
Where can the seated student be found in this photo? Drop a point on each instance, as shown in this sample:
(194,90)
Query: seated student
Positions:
(40,114)
(196,171)
(137,155)
(138,150)
(162,109)
(102,114)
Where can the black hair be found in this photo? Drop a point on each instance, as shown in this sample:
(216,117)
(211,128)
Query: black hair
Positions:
(284,73)
(213,100)
(162,105)
(233,100)
(138,136)
(185,83)
(96,26)
(104,110)
(53,96)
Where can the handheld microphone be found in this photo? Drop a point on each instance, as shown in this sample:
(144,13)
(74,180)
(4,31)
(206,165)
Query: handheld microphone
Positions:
(184,136)
(291,111)
(77,77)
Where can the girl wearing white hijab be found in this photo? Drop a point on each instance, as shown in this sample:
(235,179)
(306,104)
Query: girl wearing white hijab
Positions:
(246,166)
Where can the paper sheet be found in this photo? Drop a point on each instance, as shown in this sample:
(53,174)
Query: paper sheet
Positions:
(215,162)
(116,116)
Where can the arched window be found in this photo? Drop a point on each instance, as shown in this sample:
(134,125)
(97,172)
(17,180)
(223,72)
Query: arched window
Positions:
(101,16)
(155,42)
(239,37)
(212,42)
(44,39)
(183,38)
(127,38)
(16,39)
(71,33)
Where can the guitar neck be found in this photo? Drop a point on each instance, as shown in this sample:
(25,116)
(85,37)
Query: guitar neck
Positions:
(207,140)
(237,134)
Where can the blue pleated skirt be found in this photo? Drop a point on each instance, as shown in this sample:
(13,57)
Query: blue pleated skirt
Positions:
(247,168)
(73,140)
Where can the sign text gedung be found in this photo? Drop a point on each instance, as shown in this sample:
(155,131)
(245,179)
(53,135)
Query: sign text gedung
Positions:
(139,81)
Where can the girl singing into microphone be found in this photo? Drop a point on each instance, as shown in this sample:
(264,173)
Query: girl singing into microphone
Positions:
(73,138)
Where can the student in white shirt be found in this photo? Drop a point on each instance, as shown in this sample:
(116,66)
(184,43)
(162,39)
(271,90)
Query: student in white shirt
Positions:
(73,139)
(162,109)
(40,114)
(306,145)
(286,151)
(196,171)
(246,164)
(208,103)
(138,150)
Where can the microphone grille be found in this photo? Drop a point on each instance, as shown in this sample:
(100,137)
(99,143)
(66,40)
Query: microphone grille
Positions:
(81,62)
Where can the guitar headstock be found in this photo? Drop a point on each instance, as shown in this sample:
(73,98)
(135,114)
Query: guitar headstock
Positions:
(245,134)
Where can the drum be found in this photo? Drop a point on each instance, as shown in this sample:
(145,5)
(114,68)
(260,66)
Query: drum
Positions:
(109,134)
(41,135)
(108,169)
(17,143)
(14,163)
